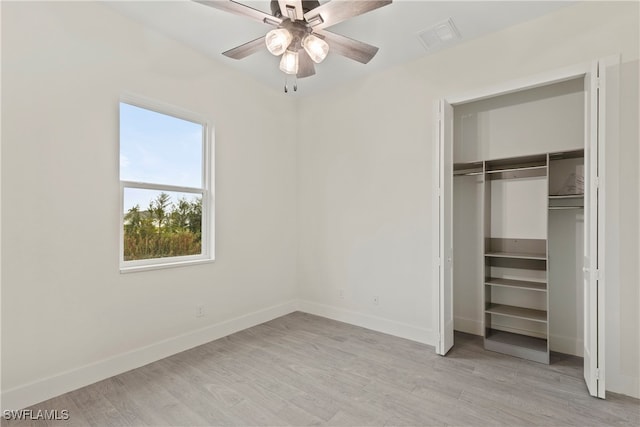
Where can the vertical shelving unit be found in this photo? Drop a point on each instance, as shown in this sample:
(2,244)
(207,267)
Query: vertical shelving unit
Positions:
(516,297)
(516,284)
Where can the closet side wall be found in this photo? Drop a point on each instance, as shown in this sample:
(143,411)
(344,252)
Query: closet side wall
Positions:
(468,248)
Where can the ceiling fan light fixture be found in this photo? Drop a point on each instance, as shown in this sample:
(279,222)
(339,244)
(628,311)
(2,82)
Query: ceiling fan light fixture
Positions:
(315,47)
(289,62)
(278,41)
(300,24)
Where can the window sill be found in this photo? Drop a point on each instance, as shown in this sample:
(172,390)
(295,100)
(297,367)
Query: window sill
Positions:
(169,264)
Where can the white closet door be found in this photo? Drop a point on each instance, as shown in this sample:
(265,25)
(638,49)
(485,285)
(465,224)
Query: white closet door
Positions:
(446,229)
(594,239)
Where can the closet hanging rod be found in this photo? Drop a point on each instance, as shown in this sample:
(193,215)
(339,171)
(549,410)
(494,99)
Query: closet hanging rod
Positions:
(516,169)
(566,196)
(467,173)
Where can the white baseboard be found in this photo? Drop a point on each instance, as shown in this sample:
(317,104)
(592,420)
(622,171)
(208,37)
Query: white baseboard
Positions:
(46,388)
(567,345)
(469,326)
(622,384)
(375,323)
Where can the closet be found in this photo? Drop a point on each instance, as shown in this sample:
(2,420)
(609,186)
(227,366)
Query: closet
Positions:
(518,220)
(519,214)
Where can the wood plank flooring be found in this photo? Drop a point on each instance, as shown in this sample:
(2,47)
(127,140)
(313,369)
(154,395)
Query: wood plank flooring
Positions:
(306,370)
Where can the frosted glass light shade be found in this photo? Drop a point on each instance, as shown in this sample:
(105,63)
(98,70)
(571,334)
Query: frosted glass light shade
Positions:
(315,47)
(278,40)
(289,62)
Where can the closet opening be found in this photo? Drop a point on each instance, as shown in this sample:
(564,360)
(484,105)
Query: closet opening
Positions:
(518,220)
(520,200)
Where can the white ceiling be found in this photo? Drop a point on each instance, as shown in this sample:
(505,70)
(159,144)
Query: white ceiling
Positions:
(392,28)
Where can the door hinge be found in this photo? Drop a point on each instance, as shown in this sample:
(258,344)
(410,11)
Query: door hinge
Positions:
(597,82)
(438,261)
(596,182)
(598,274)
(598,374)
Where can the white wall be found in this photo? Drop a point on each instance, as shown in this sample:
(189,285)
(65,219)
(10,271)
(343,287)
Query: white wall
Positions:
(366,175)
(541,120)
(68,316)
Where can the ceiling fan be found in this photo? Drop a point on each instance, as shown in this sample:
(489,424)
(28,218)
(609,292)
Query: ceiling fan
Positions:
(300,35)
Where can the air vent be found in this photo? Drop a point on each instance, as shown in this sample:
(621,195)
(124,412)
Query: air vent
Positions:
(440,34)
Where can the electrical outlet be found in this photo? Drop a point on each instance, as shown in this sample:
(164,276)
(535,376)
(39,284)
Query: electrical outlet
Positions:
(376,300)
(341,293)
(199,310)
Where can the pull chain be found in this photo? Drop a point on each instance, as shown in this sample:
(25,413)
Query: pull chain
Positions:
(286,83)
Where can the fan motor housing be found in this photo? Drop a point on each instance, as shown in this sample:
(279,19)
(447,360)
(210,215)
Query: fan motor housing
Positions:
(307,5)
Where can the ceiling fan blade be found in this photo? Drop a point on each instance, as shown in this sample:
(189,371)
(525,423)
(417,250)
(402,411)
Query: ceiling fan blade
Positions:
(246,49)
(305,65)
(241,10)
(350,48)
(336,11)
(291,9)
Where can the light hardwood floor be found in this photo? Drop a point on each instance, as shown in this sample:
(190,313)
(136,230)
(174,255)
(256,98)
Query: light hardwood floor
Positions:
(307,370)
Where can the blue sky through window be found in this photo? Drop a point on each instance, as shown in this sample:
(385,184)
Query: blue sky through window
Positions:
(159,149)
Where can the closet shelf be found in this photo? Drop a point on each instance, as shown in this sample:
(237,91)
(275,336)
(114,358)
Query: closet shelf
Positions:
(524,346)
(574,154)
(517,312)
(468,169)
(518,284)
(517,255)
(560,202)
(517,163)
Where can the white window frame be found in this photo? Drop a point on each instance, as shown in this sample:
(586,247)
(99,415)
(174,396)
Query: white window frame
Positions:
(206,191)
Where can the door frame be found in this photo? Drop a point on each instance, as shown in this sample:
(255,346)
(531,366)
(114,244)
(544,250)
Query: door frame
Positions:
(539,80)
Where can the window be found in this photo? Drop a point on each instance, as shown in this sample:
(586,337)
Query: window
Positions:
(165,181)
